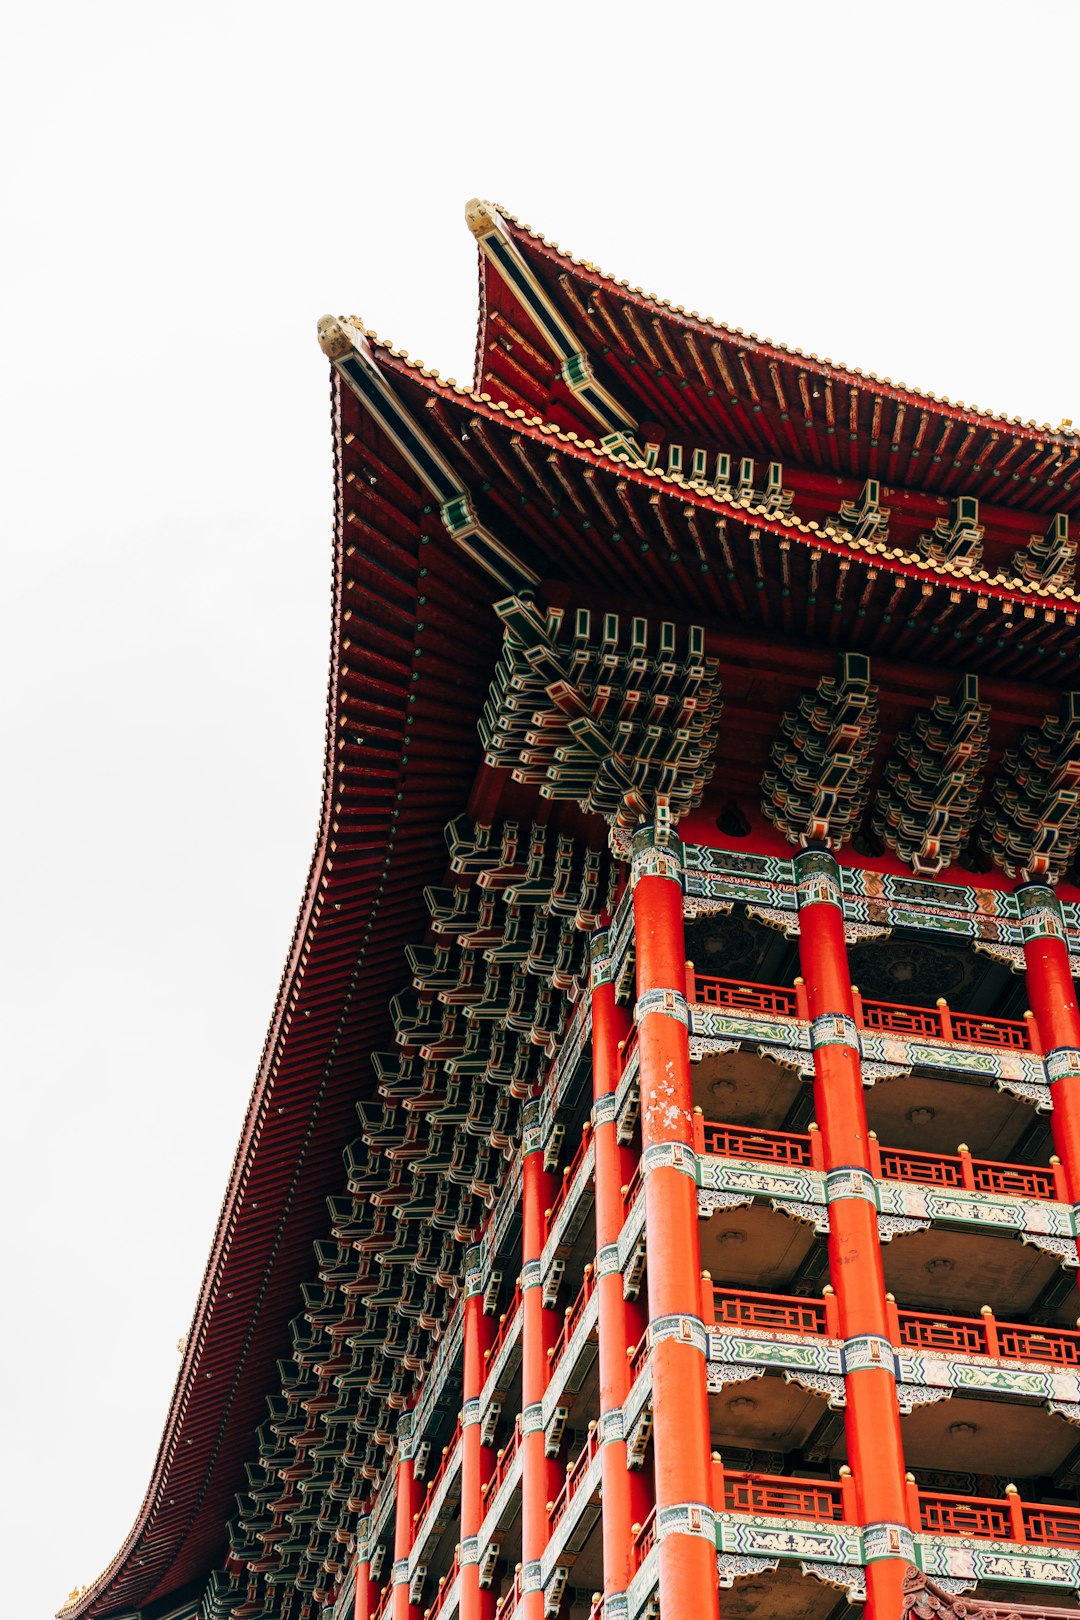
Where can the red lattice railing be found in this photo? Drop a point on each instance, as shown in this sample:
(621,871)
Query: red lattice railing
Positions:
(950,1170)
(449,1457)
(508,1322)
(784,1313)
(446,1587)
(766,998)
(770,1147)
(572,1317)
(504,1462)
(783,1497)
(644,1541)
(892,1017)
(567,1179)
(982,1335)
(983,1517)
(510,1599)
(574,1475)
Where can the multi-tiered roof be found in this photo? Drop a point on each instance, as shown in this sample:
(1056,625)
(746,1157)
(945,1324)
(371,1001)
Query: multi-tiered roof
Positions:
(629,499)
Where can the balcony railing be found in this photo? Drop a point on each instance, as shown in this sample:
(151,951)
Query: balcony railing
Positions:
(783,1497)
(446,1587)
(450,1458)
(510,1598)
(982,1335)
(781,1313)
(892,1017)
(572,1317)
(574,1475)
(567,1179)
(504,1462)
(507,1326)
(959,1170)
(983,1517)
(998,1519)
(746,1142)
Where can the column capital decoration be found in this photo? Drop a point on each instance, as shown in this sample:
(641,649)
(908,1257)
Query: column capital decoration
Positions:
(532,1127)
(1040,912)
(601,967)
(817,879)
(474,1270)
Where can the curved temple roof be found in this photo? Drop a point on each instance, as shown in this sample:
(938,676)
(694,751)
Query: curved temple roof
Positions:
(445,498)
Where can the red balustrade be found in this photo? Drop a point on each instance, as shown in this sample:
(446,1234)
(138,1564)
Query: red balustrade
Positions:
(504,1462)
(1051,1526)
(632,1189)
(747,997)
(783,1497)
(644,1540)
(567,1178)
(770,1147)
(574,1474)
(510,1599)
(1059,1345)
(450,1456)
(891,1017)
(508,1323)
(923,1330)
(929,1169)
(785,1313)
(971,1030)
(981,1335)
(572,1317)
(896,1019)
(446,1587)
(951,1170)
(982,1516)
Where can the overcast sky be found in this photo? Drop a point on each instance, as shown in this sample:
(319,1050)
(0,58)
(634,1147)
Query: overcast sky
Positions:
(187,190)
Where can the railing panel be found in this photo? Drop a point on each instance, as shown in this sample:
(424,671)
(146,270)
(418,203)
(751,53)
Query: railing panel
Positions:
(770,1147)
(1052,1526)
(1058,1345)
(782,1497)
(571,1319)
(1016,1180)
(747,997)
(927,1332)
(778,1312)
(900,1020)
(964,1516)
(973,1031)
(929,1169)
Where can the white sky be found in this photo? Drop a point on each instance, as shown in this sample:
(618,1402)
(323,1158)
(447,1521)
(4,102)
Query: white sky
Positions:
(187,190)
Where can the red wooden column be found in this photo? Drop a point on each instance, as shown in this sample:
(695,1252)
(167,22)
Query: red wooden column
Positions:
(685,1532)
(363,1590)
(625,1495)
(476,1459)
(541,1476)
(1052,995)
(872,1416)
(406,1507)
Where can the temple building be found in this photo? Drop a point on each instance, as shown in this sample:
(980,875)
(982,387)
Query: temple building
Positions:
(660,1193)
